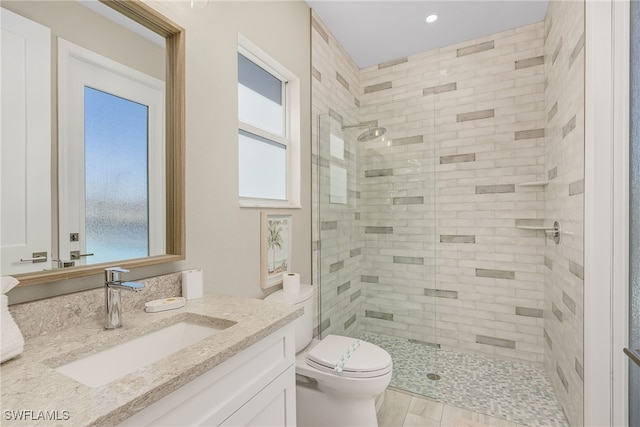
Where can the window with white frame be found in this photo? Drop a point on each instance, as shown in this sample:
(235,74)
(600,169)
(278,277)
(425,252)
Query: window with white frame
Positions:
(268,130)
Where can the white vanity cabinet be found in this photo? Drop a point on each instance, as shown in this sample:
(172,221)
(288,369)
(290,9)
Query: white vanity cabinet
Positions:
(256,387)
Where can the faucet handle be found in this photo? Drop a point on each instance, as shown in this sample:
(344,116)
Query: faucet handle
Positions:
(112,274)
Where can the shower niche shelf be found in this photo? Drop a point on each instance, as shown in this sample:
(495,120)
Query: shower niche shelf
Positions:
(533,184)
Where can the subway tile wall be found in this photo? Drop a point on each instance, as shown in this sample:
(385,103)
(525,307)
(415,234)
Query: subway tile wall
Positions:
(564,164)
(482,117)
(487,137)
(399,206)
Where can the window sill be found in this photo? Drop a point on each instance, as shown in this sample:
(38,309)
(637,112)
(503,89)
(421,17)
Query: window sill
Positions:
(268,204)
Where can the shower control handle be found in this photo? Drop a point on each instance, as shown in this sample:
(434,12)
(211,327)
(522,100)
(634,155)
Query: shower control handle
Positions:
(554,232)
(634,355)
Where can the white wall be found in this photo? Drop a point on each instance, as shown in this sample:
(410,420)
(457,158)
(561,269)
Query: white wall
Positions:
(82,26)
(222,238)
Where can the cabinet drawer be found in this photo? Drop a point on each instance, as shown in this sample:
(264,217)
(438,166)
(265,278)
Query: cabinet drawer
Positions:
(274,406)
(217,394)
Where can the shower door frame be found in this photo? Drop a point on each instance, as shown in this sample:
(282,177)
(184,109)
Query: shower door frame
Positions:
(606,207)
(621,12)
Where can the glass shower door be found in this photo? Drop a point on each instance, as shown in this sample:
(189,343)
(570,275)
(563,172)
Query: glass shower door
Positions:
(377,233)
(341,251)
(634,215)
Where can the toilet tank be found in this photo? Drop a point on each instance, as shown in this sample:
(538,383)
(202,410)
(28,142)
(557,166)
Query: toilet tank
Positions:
(303,325)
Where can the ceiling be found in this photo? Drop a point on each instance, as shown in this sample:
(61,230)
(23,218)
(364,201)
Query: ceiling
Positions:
(373,32)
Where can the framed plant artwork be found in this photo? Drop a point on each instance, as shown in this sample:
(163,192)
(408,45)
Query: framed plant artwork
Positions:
(275,248)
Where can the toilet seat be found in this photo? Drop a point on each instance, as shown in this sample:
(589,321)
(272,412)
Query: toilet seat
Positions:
(349,357)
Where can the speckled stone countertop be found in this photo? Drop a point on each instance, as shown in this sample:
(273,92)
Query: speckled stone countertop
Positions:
(30,382)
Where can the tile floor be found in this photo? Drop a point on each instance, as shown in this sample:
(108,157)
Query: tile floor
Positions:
(511,391)
(400,409)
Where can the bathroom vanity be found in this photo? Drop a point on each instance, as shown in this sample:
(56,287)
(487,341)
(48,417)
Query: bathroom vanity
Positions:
(240,373)
(254,387)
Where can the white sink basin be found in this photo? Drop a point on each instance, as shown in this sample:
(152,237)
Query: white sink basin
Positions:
(115,362)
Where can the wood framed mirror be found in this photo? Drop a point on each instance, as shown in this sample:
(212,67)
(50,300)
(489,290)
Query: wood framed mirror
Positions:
(174,134)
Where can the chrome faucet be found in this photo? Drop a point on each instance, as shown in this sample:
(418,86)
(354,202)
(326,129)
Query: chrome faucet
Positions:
(112,301)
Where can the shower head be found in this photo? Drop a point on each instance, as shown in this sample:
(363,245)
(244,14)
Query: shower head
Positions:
(370,134)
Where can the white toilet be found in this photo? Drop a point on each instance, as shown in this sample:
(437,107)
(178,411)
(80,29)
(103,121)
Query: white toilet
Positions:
(337,378)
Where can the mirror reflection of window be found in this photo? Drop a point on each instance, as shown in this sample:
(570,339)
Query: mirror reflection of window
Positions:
(111,164)
(116,177)
(337,185)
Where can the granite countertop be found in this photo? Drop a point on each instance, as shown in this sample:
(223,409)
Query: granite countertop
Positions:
(31,384)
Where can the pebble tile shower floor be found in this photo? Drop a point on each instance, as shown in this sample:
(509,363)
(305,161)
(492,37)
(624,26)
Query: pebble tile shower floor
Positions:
(509,390)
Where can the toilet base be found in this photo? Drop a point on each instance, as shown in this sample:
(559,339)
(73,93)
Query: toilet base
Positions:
(316,408)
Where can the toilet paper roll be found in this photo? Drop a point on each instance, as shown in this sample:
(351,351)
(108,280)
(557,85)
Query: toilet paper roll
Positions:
(291,283)
(192,286)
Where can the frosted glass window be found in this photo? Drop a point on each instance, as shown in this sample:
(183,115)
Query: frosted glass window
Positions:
(336,146)
(263,167)
(337,185)
(116,177)
(260,99)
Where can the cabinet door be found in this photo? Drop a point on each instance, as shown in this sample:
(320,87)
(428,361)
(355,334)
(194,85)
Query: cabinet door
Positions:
(217,395)
(273,406)
(25,144)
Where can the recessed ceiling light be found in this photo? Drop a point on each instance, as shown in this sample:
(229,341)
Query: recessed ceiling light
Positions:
(199,4)
(431,18)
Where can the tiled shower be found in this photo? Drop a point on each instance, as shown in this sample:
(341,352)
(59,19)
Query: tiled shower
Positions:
(431,234)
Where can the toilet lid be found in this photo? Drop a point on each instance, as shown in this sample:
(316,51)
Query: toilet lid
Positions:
(349,357)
